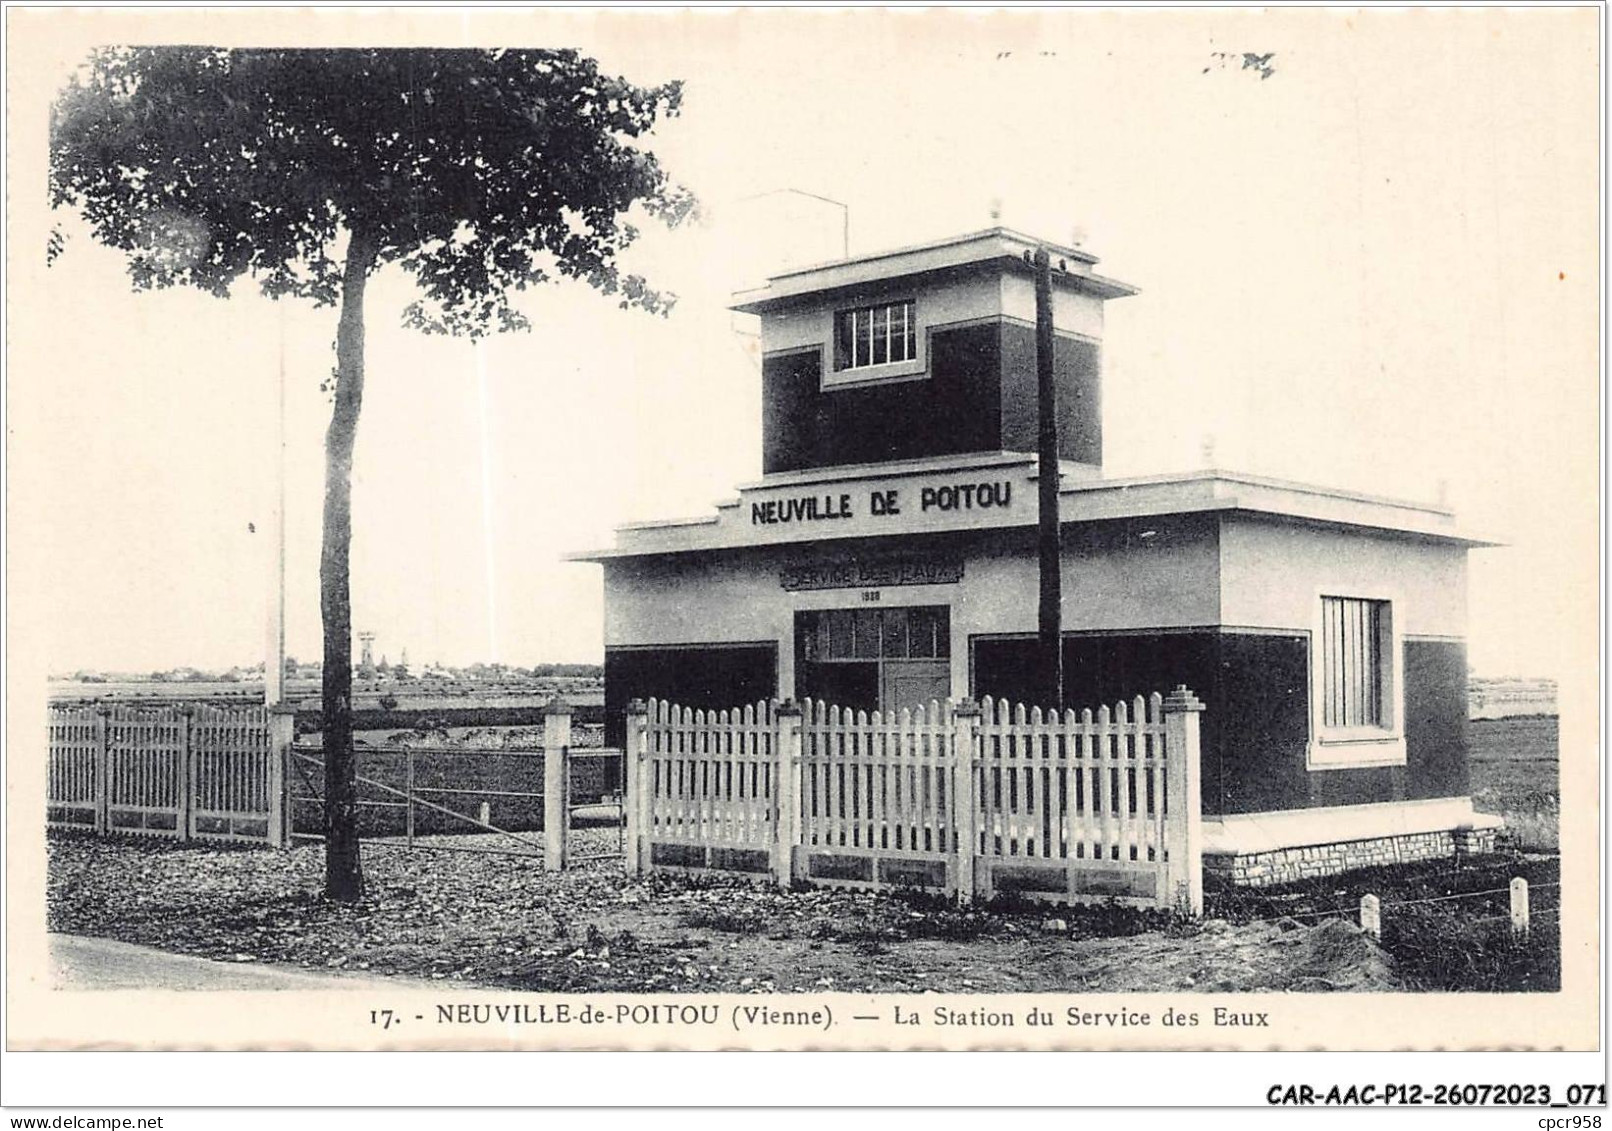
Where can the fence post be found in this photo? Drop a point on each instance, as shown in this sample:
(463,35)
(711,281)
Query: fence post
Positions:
(408,787)
(282,732)
(1183,833)
(1519,906)
(965,732)
(556,782)
(635,780)
(103,766)
(787,792)
(186,772)
(1371,916)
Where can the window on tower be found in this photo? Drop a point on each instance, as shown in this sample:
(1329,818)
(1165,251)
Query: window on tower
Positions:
(876,335)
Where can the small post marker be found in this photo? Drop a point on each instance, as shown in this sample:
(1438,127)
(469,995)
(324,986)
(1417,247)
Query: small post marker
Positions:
(1519,906)
(1371,916)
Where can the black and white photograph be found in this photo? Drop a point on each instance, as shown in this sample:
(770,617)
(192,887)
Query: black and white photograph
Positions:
(783,529)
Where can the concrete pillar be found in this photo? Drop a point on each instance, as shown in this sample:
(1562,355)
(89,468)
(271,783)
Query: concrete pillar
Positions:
(556,782)
(965,735)
(1183,833)
(787,791)
(638,782)
(282,732)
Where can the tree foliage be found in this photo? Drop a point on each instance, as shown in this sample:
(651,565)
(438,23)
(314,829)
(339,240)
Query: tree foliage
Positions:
(478,172)
(481,172)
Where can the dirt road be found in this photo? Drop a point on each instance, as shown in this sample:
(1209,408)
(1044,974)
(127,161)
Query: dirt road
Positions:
(78,963)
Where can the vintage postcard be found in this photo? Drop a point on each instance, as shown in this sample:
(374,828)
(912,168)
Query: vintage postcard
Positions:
(786,529)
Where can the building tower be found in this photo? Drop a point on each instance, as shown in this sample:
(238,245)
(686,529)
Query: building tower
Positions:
(366,659)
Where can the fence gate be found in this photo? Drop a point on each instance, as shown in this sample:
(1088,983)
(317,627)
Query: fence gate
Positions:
(515,802)
(878,803)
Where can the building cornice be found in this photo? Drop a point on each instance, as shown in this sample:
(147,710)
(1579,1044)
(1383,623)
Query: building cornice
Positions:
(1001,247)
(938,495)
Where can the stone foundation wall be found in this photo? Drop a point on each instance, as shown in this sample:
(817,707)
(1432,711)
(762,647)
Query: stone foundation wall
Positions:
(1475,842)
(1287,865)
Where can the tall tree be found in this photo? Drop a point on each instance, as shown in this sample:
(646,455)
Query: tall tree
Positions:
(478,172)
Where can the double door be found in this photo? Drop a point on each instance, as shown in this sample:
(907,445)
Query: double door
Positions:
(874,659)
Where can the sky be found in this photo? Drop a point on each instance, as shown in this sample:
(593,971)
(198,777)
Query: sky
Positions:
(1374,268)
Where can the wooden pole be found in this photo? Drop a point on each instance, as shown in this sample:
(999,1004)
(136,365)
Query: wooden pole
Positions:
(1050,542)
(408,816)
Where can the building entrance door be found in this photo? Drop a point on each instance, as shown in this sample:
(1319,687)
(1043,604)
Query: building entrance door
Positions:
(878,659)
(910,684)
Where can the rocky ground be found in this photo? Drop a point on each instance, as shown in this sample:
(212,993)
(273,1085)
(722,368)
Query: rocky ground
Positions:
(500,921)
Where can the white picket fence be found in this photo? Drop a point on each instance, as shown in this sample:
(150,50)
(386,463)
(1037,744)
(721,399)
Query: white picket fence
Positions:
(194,773)
(971,799)
(705,784)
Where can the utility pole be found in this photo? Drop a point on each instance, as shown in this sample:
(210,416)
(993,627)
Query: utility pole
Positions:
(1050,540)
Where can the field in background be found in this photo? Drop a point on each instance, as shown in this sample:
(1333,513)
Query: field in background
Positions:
(411,695)
(1516,774)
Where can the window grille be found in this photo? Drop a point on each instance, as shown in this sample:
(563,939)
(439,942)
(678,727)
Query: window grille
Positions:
(1354,658)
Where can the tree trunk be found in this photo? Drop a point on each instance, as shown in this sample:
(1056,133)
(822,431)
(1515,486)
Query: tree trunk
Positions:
(344,878)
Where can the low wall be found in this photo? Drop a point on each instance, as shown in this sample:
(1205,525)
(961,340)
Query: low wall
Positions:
(1289,865)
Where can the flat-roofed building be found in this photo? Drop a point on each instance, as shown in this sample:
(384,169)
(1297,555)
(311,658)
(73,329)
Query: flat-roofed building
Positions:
(887,556)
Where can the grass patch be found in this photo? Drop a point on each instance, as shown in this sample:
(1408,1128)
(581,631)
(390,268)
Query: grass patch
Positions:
(1462,943)
(1516,775)
(1439,947)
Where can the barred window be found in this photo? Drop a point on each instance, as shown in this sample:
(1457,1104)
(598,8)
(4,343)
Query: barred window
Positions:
(876,335)
(1355,677)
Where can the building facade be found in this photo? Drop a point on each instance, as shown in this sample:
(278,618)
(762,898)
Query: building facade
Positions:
(887,557)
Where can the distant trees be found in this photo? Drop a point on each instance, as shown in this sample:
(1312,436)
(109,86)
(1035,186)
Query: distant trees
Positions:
(574,671)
